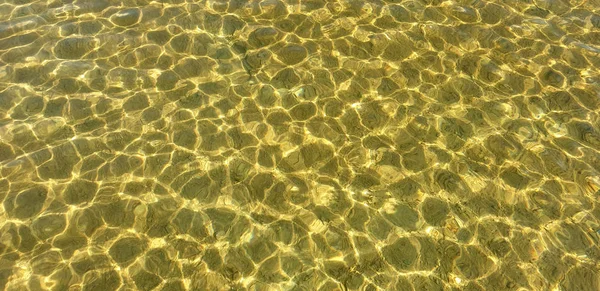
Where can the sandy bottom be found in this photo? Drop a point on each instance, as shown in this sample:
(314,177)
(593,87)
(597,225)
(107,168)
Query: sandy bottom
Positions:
(299,145)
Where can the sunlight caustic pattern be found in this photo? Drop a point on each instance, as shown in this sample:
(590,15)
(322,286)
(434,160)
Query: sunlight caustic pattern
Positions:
(299,145)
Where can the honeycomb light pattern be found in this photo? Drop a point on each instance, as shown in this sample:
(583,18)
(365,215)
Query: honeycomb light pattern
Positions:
(300,145)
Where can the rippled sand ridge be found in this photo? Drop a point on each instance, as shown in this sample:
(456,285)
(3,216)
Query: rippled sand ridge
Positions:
(300,145)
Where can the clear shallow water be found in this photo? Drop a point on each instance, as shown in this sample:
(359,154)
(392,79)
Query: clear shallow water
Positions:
(299,145)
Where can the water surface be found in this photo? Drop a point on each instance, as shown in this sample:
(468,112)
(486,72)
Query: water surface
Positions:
(299,145)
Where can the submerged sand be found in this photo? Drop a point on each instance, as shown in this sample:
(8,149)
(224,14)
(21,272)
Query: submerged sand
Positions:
(299,145)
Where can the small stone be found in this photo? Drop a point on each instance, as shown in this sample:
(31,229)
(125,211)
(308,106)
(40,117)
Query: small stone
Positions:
(403,284)
(176,285)
(118,213)
(29,106)
(87,221)
(405,189)
(387,86)
(55,107)
(241,139)
(27,203)
(101,281)
(48,226)
(80,191)
(400,13)
(215,88)
(270,271)
(303,111)
(550,77)
(28,240)
(379,227)
(514,178)
(292,162)
(307,92)
(397,51)
(126,17)
(447,180)
(286,78)
(146,281)
(160,37)
(193,100)
(167,80)
(403,216)
(499,246)
(181,43)
(582,277)
(290,264)
(415,159)
(69,243)
(266,96)
(194,67)
(80,109)
(185,137)
(262,37)
(74,47)
(213,259)
(237,263)
(126,250)
(197,188)
(158,217)
(232,24)
(283,231)
(428,283)
(190,222)
(434,211)
(574,237)
(316,153)
(553,268)
(292,54)
(473,263)
(119,140)
(6,152)
(221,219)
(260,248)
(254,61)
(364,181)
(239,170)
(46,263)
(467,88)
(238,230)
(493,13)
(463,13)
(136,102)
(336,269)
(447,95)
(401,254)
(487,71)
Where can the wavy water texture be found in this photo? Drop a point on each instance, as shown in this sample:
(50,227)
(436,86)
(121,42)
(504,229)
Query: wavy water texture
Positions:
(299,145)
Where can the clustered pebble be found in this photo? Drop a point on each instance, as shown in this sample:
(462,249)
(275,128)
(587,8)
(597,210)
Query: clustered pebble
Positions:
(299,145)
